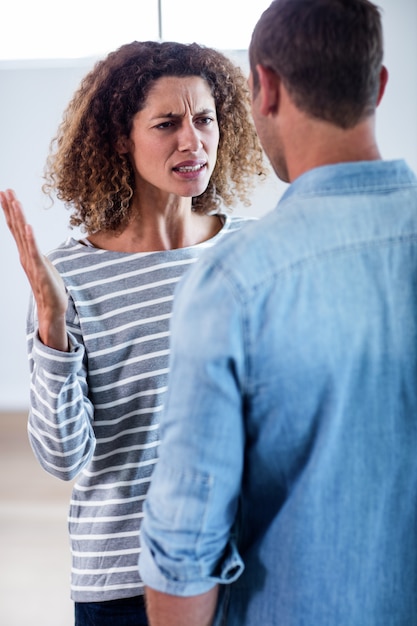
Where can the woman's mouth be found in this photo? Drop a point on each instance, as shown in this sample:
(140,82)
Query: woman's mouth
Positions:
(189,168)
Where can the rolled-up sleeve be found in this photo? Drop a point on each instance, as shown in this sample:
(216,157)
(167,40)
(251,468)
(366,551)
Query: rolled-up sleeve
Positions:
(188,531)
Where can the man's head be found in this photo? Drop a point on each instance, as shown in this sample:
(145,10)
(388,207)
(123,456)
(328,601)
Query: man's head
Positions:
(327,53)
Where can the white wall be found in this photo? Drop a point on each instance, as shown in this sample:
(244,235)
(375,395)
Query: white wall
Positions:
(31,102)
(32,98)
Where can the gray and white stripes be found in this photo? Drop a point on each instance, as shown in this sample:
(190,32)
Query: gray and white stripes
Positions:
(95,410)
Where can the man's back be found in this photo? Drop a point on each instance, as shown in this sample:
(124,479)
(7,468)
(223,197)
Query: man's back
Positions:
(316,467)
(318,333)
(329,496)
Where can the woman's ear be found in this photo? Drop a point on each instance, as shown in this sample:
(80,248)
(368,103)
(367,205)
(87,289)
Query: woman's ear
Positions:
(123,145)
(269,90)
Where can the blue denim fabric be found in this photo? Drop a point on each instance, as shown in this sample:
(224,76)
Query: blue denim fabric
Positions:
(123,612)
(288,463)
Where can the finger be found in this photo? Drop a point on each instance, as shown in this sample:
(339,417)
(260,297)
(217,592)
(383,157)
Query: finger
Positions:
(6,206)
(7,202)
(32,246)
(18,230)
(11,209)
(17,224)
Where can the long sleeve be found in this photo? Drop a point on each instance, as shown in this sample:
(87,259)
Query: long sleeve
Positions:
(188,533)
(61,413)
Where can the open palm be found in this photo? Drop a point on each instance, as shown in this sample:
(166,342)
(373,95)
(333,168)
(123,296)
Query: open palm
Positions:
(47,285)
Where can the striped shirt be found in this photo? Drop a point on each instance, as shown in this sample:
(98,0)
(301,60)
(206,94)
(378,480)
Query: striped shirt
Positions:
(95,410)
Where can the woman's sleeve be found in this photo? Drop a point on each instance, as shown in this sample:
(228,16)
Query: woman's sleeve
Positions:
(61,414)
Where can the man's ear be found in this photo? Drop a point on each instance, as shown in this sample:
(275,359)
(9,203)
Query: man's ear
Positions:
(383,79)
(269,90)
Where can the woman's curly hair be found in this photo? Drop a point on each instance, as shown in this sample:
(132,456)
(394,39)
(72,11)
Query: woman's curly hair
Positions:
(84,167)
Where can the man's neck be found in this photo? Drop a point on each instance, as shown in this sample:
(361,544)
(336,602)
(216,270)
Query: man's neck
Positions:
(316,143)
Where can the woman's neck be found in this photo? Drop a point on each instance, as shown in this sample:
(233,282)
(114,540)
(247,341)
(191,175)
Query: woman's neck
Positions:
(174,226)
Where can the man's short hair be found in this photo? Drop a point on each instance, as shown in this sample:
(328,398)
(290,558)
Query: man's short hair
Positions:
(328,53)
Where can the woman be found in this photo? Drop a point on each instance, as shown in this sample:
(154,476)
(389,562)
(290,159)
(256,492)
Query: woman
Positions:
(155,141)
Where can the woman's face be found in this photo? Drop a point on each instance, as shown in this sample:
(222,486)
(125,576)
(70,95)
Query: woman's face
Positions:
(174,138)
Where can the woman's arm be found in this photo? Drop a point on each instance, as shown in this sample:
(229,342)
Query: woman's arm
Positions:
(61,415)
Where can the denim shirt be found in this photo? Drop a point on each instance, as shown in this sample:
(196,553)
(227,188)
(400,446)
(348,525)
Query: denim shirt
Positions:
(288,462)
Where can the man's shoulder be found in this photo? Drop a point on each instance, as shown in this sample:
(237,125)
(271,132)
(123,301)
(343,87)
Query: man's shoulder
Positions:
(248,254)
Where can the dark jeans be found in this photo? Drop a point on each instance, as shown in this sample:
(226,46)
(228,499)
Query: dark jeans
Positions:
(124,612)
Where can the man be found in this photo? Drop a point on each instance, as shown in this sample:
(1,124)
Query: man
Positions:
(286,490)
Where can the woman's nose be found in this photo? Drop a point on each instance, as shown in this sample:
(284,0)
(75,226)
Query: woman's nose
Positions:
(189,138)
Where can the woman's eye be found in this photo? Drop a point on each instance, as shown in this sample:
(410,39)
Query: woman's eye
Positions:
(165,125)
(205,120)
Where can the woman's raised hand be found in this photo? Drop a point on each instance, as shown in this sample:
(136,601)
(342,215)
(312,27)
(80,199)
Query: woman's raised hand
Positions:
(47,285)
